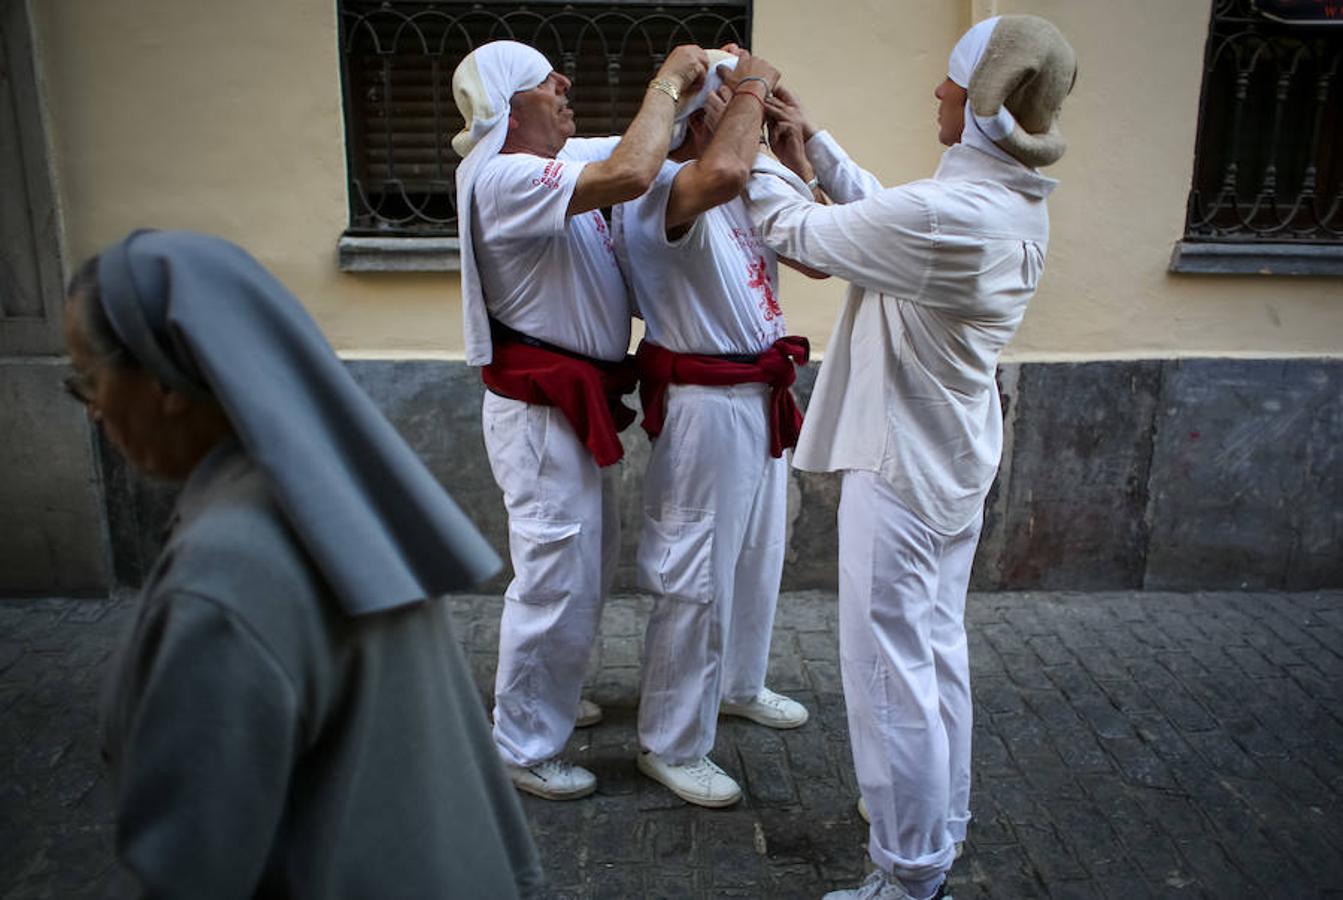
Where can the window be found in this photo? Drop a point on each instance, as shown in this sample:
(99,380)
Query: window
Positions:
(398,58)
(1267,193)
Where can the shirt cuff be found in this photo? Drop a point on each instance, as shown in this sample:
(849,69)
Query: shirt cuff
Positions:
(825,154)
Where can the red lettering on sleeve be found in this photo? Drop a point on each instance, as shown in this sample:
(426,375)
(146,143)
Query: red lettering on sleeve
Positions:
(550,175)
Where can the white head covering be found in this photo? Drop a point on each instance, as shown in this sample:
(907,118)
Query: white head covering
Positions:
(713,80)
(1022,62)
(483,85)
(965,57)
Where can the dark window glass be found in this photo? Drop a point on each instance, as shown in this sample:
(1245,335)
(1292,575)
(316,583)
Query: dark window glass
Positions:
(398,58)
(1269,160)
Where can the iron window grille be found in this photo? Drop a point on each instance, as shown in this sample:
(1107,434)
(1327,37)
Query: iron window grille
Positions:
(1267,192)
(398,57)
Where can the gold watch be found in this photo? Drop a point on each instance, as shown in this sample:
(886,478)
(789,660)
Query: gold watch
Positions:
(667,87)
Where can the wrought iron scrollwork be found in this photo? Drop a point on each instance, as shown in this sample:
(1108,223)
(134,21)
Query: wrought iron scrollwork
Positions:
(398,57)
(1269,161)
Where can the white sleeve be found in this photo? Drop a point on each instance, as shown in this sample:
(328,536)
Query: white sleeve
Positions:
(646,216)
(883,243)
(841,178)
(525,196)
(589,149)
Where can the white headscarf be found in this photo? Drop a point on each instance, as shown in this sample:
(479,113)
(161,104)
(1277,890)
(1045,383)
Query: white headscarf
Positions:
(483,85)
(713,80)
(980,132)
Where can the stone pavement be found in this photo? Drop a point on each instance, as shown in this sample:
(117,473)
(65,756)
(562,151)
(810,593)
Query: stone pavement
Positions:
(1127,745)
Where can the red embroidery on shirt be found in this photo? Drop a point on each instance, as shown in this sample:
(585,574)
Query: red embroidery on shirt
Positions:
(550,175)
(759,273)
(604,232)
(748,240)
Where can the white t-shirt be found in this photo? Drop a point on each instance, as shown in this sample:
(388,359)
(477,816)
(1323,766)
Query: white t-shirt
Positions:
(545,274)
(714,290)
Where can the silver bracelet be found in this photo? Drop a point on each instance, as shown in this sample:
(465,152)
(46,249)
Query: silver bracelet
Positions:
(813,184)
(768,92)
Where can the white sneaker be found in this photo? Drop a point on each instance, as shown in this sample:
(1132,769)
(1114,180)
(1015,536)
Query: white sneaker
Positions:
(876,886)
(700,782)
(768,709)
(553,779)
(589,714)
(862,811)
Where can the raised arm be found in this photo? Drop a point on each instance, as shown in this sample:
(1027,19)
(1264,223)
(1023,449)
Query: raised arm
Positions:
(635,162)
(881,242)
(735,116)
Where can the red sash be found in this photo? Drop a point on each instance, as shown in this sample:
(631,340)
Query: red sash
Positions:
(587,391)
(775,366)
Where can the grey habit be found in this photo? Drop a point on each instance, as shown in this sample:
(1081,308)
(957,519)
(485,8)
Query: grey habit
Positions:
(280,725)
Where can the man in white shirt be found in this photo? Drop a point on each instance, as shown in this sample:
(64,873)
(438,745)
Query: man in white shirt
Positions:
(547,316)
(907,409)
(714,364)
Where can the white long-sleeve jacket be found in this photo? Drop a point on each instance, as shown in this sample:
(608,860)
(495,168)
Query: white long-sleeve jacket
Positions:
(941,271)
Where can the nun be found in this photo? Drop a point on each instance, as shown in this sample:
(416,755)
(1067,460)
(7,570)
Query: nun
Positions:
(290,715)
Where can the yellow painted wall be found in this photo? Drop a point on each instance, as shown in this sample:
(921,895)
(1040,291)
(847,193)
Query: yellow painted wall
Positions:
(226,117)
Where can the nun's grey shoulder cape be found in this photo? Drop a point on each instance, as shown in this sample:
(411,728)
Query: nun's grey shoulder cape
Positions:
(203,316)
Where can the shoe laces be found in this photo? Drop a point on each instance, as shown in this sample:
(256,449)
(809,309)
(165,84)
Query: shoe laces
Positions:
(872,885)
(551,769)
(776,702)
(703,770)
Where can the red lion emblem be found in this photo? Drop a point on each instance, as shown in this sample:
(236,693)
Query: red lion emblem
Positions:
(759,273)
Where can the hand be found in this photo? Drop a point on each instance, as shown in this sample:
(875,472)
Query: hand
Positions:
(788,131)
(785,110)
(686,67)
(715,105)
(749,66)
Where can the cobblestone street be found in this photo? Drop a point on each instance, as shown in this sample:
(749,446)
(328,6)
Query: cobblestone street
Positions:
(1127,745)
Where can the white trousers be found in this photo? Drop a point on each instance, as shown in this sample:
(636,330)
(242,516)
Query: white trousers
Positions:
(906,675)
(563,536)
(711,552)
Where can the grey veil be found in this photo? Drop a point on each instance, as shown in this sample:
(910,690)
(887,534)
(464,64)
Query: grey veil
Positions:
(203,316)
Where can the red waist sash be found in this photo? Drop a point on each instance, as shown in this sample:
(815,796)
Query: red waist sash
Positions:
(775,366)
(587,391)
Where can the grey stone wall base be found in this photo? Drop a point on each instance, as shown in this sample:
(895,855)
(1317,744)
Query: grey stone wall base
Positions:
(1183,474)
(51,540)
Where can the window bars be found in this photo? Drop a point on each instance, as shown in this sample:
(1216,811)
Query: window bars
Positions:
(398,57)
(1269,159)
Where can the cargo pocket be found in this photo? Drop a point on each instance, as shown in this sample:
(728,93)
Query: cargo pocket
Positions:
(676,554)
(546,562)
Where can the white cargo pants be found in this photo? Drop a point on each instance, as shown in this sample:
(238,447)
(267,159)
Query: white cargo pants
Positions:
(906,675)
(563,536)
(711,552)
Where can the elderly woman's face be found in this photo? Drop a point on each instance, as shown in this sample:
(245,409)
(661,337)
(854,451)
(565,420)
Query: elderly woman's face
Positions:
(134,410)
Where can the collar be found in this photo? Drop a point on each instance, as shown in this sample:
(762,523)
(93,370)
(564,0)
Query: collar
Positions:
(965,163)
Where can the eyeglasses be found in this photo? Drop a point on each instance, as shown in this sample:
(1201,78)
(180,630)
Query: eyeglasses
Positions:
(82,386)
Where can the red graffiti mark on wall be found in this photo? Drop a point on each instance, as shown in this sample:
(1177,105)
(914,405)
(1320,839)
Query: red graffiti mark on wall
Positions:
(759,273)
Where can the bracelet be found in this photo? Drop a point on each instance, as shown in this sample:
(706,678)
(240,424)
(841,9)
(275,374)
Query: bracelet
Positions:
(768,92)
(667,87)
(813,184)
(752,95)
